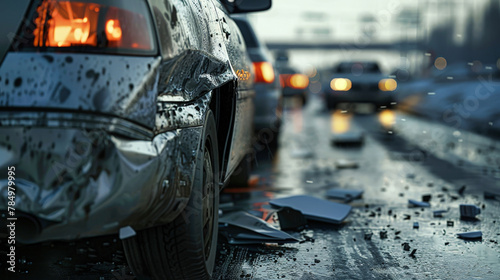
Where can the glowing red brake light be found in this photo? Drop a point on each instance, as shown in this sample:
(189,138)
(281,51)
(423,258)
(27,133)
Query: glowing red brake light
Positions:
(295,81)
(264,72)
(65,24)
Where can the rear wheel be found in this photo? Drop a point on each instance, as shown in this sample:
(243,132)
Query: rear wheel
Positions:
(186,247)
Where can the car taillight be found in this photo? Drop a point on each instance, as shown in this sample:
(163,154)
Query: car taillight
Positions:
(341,84)
(296,81)
(92,24)
(264,72)
(387,85)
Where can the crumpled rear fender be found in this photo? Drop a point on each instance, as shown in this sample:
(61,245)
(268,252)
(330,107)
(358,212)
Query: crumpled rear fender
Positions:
(86,182)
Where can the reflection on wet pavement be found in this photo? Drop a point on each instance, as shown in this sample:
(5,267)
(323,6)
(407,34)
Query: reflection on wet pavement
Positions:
(378,240)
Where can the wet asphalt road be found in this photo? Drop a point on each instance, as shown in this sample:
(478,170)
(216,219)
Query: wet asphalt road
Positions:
(402,158)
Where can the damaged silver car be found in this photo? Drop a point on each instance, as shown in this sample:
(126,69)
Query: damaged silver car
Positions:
(124,117)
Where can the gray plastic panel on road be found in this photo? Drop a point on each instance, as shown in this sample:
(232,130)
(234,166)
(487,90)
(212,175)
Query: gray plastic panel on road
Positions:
(470,235)
(314,208)
(418,203)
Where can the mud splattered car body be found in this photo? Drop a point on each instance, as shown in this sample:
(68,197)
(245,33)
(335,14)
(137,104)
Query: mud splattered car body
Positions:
(103,138)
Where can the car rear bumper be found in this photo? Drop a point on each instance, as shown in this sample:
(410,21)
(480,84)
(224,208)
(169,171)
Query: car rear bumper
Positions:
(79,182)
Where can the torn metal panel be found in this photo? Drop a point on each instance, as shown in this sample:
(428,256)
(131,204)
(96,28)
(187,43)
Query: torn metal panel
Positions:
(243,228)
(89,182)
(178,115)
(122,86)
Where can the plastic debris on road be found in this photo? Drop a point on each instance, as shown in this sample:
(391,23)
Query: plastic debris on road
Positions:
(314,208)
(291,219)
(242,228)
(469,211)
(418,203)
(438,213)
(344,194)
(126,232)
(470,235)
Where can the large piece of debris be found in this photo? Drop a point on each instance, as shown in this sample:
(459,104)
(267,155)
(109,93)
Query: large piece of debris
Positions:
(242,228)
(314,208)
(469,211)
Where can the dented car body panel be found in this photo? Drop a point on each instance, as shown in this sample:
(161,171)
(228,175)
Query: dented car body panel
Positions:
(104,141)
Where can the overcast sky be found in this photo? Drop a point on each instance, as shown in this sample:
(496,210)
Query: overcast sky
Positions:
(354,20)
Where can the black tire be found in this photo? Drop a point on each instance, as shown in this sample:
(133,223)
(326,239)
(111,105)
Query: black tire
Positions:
(186,247)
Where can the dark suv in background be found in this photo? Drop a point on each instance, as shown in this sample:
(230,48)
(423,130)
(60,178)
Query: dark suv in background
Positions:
(268,95)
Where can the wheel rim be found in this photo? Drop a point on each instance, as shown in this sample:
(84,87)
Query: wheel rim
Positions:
(208,201)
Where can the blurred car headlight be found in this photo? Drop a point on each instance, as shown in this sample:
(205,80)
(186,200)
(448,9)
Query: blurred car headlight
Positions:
(341,84)
(387,85)
(264,72)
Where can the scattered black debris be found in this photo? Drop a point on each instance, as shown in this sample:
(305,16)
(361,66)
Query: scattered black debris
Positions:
(389,212)
(372,214)
(416,225)
(316,261)
(449,223)
(368,236)
(461,190)
(426,197)
(406,246)
(291,219)
(453,197)
(412,254)
(469,211)
(407,217)
(383,234)
(470,235)
(446,243)
(397,232)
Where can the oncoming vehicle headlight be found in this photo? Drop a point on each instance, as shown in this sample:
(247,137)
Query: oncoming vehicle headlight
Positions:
(387,85)
(124,27)
(341,84)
